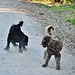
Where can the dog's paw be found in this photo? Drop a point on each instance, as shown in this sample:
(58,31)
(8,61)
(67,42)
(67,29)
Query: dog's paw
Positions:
(7,48)
(44,65)
(57,68)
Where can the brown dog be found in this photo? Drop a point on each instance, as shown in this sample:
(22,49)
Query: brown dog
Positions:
(54,46)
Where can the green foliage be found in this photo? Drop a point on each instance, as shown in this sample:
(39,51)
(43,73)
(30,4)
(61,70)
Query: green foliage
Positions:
(62,7)
(69,1)
(68,20)
(66,12)
(73,6)
(73,22)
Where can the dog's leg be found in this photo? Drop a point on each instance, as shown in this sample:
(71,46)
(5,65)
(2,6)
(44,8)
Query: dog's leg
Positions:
(24,48)
(47,60)
(20,47)
(8,46)
(45,54)
(9,38)
(57,58)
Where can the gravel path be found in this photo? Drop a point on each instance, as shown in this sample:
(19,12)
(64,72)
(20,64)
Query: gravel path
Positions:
(29,62)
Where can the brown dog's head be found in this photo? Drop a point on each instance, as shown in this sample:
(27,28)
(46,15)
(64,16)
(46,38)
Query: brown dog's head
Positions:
(45,41)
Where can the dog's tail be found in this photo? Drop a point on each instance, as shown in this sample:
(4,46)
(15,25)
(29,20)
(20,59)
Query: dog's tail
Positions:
(49,29)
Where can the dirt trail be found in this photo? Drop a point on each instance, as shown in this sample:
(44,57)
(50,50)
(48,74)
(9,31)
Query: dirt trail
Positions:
(29,62)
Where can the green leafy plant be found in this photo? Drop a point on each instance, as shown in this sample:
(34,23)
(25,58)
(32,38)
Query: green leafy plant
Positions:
(73,22)
(66,12)
(68,20)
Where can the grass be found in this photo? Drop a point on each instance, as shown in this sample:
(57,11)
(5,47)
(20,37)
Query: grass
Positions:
(63,7)
(66,12)
(68,20)
(73,22)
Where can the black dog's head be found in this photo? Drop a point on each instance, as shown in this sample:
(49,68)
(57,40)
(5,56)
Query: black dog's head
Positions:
(45,41)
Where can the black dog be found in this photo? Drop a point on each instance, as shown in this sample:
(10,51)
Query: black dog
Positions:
(17,36)
(20,38)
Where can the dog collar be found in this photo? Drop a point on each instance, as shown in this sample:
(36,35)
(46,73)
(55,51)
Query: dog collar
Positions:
(47,48)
